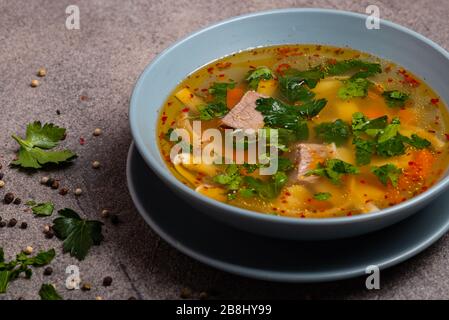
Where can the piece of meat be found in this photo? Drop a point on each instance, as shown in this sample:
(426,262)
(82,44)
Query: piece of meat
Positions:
(306,156)
(244,115)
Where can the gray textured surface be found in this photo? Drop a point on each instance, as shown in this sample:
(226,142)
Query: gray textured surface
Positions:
(101,62)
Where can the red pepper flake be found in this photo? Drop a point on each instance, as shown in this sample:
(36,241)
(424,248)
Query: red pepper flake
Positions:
(332,61)
(434,101)
(274,209)
(204,90)
(284,201)
(288,194)
(349,214)
(282,68)
(185,109)
(282,211)
(172,123)
(210,69)
(169,103)
(221,75)
(362,181)
(447,136)
(390,80)
(316,55)
(82,141)
(84,98)
(387,69)
(223,65)
(252,67)
(302,216)
(164,119)
(408,79)
(431,131)
(318,47)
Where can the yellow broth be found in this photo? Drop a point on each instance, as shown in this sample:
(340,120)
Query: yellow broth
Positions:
(423,113)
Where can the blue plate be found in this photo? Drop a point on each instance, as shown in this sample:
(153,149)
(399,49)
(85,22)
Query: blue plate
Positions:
(223,247)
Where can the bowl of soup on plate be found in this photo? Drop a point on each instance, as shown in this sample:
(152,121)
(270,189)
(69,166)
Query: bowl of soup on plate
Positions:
(309,135)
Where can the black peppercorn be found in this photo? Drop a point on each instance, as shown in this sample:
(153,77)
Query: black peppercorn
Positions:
(17,201)
(9,197)
(107,281)
(55,184)
(48,271)
(1,175)
(63,191)
(50,234)
(12,222)
(2,224)
(115,219)
(50,181)
(23,225)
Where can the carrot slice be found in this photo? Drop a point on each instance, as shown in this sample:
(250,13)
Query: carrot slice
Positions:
(234,96)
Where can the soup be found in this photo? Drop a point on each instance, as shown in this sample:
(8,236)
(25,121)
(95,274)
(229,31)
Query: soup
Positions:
(355,133)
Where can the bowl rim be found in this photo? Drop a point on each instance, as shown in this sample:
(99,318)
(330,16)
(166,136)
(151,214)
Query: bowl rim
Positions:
(164,173)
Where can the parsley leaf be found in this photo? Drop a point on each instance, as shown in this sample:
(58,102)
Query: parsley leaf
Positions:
(42,209)
(33,152)
(363,150)
(353,88)
(418,142)
(395,98)
(372,127)
(362,69)
(293,84)
(337,132)
(254,76)
(280,115)
(231,178)
(10,271)
(388,172)
(322,196)
(333,169)
(266,189)
(48,292)
(213,110)
(78,234)
(311,108)
(219,91)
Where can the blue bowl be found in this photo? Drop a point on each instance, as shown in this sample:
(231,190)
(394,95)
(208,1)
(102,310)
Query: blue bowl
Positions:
(289,26)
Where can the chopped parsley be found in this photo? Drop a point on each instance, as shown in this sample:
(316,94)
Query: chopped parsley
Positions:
(353,88)
(418,142)
(42,209)
(219,91)
(363,150)
(265,189)
(322,196)
(213,110)
(35,151)
(336,132)
(333,169)
(231,178)
(395,98)
(387,173)
(361,68)
(295,85)
(254,77)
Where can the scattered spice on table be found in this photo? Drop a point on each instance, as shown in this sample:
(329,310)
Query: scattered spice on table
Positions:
(86,286)
(9,197)
(28,250)
(186,293)
(55,185)
(63,191)
(115,219)
(17,201)
(42,72)
(34,83)
(12,222)
(105,213)
(23,225)
(44,180)
(96,164)
(48,271)
(97,132)
(78,191)
(107,281)
(2,183)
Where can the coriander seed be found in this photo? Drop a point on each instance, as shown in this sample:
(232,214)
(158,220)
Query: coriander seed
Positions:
(96,164)
(28,250)
(44,180)
(78,191)
(97,132)
(98,298)
(42,72)
(105,213)
(2,183)
(86,286)
(47,228)
(34,83)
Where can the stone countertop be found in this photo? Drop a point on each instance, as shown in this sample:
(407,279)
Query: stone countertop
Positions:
(91,73)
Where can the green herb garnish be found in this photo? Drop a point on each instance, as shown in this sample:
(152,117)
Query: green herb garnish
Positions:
(254,76)
(48,292)
(78,234)
(336,132)
(395,98)
(34,149)
(388,172)
(333,169)
(354,88)
(322,196)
